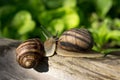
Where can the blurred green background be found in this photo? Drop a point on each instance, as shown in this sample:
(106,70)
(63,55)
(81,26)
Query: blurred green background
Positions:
(22,19)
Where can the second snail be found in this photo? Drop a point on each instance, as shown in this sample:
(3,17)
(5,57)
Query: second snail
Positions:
(72,43)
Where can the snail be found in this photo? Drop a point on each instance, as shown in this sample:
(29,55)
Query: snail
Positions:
(29,53)
(72,43)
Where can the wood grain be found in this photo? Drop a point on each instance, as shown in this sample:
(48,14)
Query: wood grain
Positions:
(57,67)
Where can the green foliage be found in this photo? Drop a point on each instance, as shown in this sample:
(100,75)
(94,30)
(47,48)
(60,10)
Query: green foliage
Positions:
(21,19)
(103,7)
(23,22)
(104,35)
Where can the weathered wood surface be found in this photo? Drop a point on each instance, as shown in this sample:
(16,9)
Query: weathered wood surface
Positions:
(57,67)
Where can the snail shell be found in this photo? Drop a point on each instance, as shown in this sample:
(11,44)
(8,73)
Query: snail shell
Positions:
(74,43)
(76,40)
(29,53)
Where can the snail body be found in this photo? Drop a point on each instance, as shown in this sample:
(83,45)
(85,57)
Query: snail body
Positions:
(73,43)
(50,47)
(29,53)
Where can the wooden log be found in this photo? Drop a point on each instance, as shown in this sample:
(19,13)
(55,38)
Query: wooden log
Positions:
(57,67)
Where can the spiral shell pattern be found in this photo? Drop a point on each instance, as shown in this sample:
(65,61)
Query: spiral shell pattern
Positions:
(29,53)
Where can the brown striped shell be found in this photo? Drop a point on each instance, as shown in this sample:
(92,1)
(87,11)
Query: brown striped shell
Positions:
(76,40)
(29,53)
(76,43)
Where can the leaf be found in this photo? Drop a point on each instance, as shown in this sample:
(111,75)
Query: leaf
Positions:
(53,3)
(71,19)
(102,33)
(56,25)
(23,22)
(103,7)
(27,27)
(117,23)
(114,35)
(44,18)
(21,18)
(69,3)
(110,50)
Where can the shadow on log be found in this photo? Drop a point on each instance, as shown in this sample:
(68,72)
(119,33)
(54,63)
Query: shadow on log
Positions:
(57,67)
